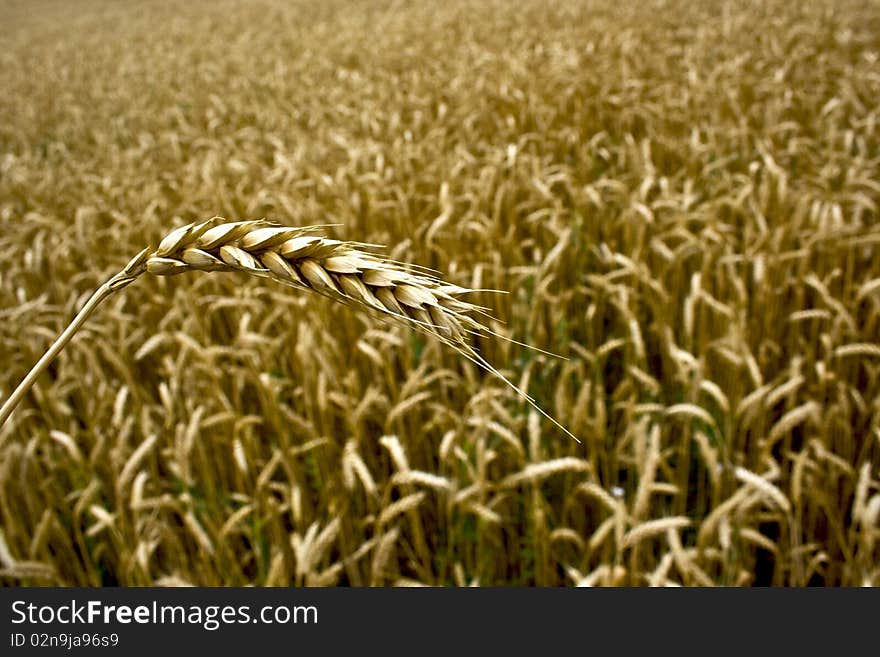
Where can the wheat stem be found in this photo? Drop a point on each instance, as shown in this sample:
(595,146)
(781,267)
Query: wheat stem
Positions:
(115,283)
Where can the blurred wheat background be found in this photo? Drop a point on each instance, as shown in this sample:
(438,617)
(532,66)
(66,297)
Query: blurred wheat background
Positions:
(681,197)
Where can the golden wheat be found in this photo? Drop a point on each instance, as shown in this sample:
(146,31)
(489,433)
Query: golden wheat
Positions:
(696,231)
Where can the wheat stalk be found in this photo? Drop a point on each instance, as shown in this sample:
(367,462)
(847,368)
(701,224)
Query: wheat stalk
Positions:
(297,256)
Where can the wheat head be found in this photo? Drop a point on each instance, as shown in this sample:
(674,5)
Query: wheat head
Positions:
(343,271)
(299,257)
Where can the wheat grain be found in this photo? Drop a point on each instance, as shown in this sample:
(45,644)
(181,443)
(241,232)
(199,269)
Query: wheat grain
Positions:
(418,478)
(382,555)
(693,411)
(401,506)
(858,349)
(767,490)
(648,471)
(133,462)
(652,528)
(536,472)
(796,416)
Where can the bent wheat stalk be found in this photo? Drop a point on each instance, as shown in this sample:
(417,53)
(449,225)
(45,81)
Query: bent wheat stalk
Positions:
(343,271)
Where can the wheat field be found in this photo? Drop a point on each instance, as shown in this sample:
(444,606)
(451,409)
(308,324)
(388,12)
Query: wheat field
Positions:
(681,199)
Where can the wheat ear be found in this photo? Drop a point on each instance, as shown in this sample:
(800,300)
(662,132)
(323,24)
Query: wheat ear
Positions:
(344,271)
